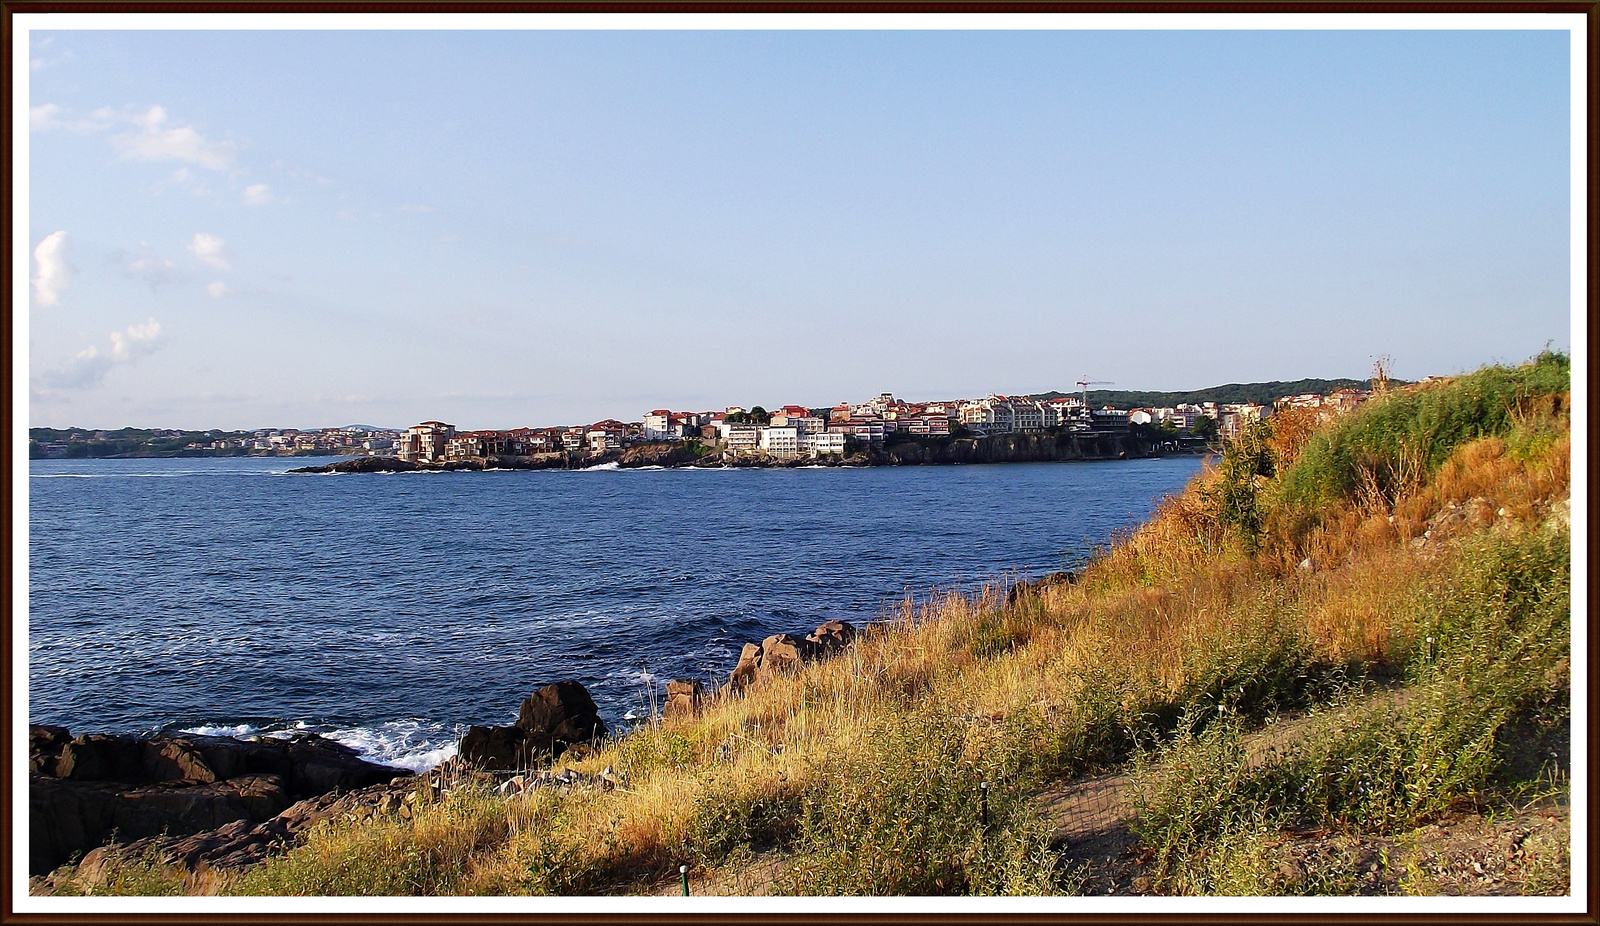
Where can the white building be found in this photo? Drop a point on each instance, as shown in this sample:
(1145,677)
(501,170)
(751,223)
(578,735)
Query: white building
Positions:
(816,443)
(783,442)
(658,425)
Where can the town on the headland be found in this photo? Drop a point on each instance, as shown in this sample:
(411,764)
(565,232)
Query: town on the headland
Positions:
(786,435)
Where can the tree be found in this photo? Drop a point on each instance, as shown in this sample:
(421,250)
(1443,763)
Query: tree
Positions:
(1205,428)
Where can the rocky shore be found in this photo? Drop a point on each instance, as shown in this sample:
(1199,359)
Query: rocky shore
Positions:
(1044,447)
(83,790)
(222,803)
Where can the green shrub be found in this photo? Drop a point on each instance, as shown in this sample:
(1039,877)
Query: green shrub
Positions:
(1395,441)
(1497,660)
(911,820)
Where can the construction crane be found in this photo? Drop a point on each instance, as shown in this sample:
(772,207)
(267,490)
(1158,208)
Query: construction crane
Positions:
(1086,382)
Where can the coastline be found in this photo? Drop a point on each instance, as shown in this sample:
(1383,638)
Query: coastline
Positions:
(1018,447)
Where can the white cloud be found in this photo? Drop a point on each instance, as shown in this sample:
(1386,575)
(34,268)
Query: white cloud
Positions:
(43,116)
(210,249)
(47,116)
(156,141)
(258,194)
(54,273)
(149,267)
(217,289)
(414,209)
(89,366)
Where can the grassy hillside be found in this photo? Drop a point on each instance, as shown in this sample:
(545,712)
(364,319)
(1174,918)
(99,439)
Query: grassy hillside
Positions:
(1398,579)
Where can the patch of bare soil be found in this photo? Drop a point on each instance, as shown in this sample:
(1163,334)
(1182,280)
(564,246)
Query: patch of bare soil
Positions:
(743,875)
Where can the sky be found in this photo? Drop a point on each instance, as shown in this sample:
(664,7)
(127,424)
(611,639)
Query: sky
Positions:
(246,229)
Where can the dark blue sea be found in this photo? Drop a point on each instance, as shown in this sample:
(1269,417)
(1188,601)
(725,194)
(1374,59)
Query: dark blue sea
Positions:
(390,610)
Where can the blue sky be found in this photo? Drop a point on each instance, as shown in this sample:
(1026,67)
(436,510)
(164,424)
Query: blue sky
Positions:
(290,228)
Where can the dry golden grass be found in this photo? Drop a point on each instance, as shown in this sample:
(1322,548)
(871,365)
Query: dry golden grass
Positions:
(836,765)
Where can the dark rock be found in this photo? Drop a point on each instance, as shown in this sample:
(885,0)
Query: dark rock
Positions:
(100,757)
(45,744)
(175,760)
(361,465)
(102,784)
(560,715)
(495,748)
(833,635)
(243,843)
(549,722)
(67,816)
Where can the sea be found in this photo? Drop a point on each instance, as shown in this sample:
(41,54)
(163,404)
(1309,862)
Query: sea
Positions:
(390,611)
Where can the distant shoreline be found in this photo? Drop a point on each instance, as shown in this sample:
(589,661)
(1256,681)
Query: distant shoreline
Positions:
(1017,447)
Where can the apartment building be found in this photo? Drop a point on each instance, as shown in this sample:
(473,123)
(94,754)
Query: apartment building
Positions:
(427,442)
(781,442)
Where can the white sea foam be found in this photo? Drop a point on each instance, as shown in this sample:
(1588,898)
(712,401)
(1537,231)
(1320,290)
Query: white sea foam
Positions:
(417,745)
(607,467)
(238,729)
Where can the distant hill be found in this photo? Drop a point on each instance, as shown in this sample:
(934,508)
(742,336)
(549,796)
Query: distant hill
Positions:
(1232,393)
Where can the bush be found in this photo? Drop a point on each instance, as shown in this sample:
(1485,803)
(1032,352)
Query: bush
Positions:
(1496,660)
(1397,440)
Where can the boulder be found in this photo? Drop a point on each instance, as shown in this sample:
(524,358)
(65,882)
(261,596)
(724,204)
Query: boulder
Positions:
(560,715)
(549,721)
(683,697)
(495,748)
(175,760)
(67,817)
(749,664)
(784,652)
(45,744)
(102,757)
(833,635)
(243,843)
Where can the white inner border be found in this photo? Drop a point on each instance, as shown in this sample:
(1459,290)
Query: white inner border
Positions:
(1572,23)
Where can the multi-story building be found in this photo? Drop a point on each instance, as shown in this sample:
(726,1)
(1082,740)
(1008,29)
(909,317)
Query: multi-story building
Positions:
(998,414)
(867,429)
(424,443)
(658,425)
(605,435)
(816,443)
(742,438)
(1108,420)
(781,442)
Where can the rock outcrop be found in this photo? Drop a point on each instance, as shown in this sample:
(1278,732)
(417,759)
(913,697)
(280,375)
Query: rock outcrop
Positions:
(783,653)
(242,843)
(550,721)
(83,789)
(683,697)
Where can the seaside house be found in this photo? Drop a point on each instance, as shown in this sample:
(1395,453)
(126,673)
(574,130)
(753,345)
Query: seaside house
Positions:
(781,442)
(606,435)
(424,443)
(816,443)
(742,438)
(658,425)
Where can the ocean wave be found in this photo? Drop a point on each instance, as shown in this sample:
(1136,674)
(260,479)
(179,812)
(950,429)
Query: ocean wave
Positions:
(606,467)
(413,744)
